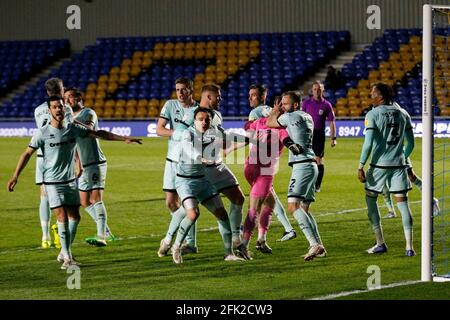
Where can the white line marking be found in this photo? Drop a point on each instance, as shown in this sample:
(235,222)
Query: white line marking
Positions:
(349,293)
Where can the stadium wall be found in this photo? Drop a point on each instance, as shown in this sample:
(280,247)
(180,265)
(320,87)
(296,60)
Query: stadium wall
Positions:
(46,19)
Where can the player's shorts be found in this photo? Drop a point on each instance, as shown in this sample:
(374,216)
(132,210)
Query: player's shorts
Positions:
(65,194)
(170,173)
(261,184)
(39,169)
(318,143)
(396,179)
(93,178)
(303,182)
(199,188)
(221,177)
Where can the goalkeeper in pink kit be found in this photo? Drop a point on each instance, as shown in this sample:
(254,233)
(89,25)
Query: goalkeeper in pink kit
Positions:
(260,169)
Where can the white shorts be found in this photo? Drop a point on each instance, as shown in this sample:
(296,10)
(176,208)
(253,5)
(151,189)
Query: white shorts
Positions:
(221,177)
(170,173)
(64,194)
(93,177)
(39,169)
(198,188)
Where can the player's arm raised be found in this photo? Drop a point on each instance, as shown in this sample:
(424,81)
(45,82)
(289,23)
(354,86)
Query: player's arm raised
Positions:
(21,164)
(272,120)
(106,135)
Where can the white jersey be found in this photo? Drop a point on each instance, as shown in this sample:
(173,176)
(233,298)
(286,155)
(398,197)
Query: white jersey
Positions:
(89,147)
(58,147)
(42,117)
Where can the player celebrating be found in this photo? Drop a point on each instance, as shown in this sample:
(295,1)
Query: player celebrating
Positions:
(57,142)
(53,86)
(91,183)
(387,126)
(301,190)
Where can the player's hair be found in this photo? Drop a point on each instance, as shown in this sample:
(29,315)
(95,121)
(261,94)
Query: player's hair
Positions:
(295,97)
(76,91)
(211,87)
(322,87)
(262,89)
(54,86)
(186,81)
(54,97)
(386,92)
(206,110)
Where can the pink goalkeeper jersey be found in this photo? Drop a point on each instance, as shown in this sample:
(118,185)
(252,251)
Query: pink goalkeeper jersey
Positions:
(267,151)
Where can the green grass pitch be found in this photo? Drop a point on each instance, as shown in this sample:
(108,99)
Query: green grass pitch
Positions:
(130,269)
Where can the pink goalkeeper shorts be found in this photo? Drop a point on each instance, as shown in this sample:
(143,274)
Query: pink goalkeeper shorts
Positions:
(261,185)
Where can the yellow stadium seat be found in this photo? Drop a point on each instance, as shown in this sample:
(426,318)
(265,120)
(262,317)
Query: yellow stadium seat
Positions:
(211,45)
(179,46)
(221,52)
(153,103)
(109,104)
(142,103)
(108,112)
(102,86)
(341,102)
(126,62)
(243,44)
(210,53)
(158,46)
(130,112)
(113,78)
(355,112)
(135,71)
(91,87)
(136,62)
(253,44)
(243,60)
(100,95)
(200,45)
(157,54)
(125,70)
(342,112)
(352,92)
(88,102)
(137,55)
(152,112)
(254,52)
(363,83)
(114,70)
(168,54)
(90,95)
(99,111)
(99,103)
(112,87)
(141,112)
(148,54)
(123,79)
(119,113)
(131,103)
(221,77)
(189,54)
(200,54)
(221,44)
(161,104)
(121,103)
(415,39)
(169,46)
(232,52)
(103,78)
(147,62)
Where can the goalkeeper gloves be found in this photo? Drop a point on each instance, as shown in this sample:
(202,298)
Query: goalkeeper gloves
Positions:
(295,148)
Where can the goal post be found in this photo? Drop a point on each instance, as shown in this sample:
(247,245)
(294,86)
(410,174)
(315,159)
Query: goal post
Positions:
(436,18)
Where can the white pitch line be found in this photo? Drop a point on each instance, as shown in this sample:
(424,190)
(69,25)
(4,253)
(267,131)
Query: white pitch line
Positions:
(201,230)
(349,293)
